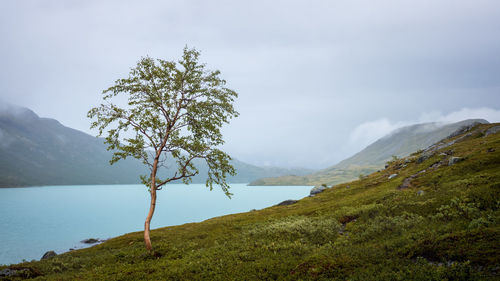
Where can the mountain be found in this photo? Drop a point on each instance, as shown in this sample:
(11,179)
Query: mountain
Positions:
(432,216)
(41,151)
(397,144)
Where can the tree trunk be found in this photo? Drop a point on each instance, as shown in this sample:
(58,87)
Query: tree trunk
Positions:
(147,224)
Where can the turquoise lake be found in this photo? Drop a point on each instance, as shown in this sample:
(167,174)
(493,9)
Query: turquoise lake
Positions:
(34,220)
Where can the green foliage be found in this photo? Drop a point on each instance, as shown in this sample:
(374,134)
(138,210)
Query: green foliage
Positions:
(458,208)
(174,110)
(315,230)
(383,225)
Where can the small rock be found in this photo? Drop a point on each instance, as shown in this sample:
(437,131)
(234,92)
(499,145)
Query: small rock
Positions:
(48,255)
(454,160)
(386,166)
(17,271)
(348,187)
(317,189)
(420,192)
(406,182)
(491,149)
(90,241)
(287,202)
(392,176)
(435,165)
(8,272)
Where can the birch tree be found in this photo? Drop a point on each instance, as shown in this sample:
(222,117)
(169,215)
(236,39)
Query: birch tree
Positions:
(174,111)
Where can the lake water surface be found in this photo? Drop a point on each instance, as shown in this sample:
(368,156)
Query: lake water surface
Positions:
(38,219)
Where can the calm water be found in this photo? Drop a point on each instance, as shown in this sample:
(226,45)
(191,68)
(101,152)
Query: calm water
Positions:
(37,219)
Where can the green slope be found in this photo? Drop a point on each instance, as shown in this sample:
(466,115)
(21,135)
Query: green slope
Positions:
(432,221)
(400,143)
(41,151)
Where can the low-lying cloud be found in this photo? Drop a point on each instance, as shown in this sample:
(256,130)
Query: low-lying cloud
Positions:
(368,132)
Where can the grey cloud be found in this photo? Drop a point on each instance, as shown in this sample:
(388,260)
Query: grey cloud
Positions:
(307,72)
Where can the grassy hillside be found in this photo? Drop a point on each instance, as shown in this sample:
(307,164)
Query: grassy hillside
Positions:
(431,221)
(400,143)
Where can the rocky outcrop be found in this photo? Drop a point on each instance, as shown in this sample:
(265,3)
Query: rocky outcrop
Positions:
(492,130)
(463,132)
(287,202)
(317,189)
(48,255)
(464,129)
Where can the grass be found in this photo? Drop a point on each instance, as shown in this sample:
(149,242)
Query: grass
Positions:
(366,229)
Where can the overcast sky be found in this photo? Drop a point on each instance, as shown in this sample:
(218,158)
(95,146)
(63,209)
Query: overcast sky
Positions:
(318,80)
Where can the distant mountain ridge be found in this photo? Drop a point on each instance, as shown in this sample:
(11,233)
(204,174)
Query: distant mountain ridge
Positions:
(404,141)
(41,151)
(399,143)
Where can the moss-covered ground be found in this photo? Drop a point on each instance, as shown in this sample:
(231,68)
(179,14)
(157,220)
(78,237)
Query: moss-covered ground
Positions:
(444,225)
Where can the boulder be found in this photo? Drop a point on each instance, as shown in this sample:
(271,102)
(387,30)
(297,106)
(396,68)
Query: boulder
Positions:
(287,202)
(392,176)
(90,241)
(454,160)
(317,189)
(48,255)
(491,149)
(420,192)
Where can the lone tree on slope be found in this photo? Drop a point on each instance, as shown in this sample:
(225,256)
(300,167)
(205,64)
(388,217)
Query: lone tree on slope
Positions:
(174,110)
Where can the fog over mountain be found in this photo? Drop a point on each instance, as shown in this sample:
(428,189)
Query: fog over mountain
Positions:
(317,81)
(41,151)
